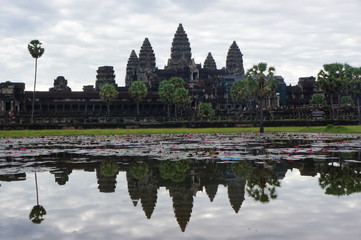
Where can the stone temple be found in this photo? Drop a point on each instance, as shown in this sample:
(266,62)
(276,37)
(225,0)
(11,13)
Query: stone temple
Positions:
(205,83)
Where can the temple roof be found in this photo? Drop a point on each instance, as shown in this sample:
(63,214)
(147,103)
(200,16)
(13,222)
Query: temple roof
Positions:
(234,62)
(181,51)
(209,63)
(146,56)
(132,62)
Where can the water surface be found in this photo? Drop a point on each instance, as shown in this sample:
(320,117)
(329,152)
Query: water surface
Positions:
(203,186)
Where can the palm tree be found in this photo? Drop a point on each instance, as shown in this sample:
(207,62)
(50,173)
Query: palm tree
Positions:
(333,79)
(36,51)
(166,94)
(138,90)
(108,93)
(181,98)
(261,85)
(38,211)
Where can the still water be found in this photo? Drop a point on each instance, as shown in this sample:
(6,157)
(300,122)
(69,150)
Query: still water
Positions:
(204,186)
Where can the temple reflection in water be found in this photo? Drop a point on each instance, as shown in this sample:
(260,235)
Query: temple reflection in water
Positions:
(183,179)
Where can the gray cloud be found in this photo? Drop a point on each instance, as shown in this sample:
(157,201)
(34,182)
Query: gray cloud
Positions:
(297,37)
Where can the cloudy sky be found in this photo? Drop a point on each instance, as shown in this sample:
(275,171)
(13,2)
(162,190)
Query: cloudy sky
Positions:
(296,37)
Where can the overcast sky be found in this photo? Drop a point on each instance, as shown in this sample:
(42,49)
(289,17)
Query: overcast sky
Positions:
(296,37)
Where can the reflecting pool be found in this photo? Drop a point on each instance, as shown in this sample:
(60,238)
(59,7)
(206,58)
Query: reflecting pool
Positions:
(193,186)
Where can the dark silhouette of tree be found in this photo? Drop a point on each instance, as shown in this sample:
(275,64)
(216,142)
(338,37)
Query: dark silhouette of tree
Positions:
(174,170)
(108,93)
(262,183)
(261,83)
(318,98)
(138,170)
(340,180)
(333,79)
(38,212)
(36,51)
(172,91)
(206,110)
(137,91)
(242,169)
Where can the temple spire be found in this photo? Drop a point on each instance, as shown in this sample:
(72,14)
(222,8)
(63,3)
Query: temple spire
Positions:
(234,62)
(181,51)
(146,64)
(132,65)
(209,63)
(146,56)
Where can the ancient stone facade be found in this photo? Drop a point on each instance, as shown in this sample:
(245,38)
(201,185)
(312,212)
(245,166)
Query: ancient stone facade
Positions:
(205,83)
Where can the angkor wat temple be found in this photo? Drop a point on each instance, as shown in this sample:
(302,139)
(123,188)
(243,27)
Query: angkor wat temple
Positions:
(205,83)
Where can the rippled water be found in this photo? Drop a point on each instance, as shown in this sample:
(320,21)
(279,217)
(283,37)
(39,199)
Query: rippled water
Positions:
(196,186)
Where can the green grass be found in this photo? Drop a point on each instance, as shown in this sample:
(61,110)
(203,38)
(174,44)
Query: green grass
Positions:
(118,131)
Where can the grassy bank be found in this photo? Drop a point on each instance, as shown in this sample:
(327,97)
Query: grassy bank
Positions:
(69,132)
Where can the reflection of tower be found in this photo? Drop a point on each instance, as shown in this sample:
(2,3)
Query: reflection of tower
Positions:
(182,205)
(148,194)
(211,190)
(106,184)
(148,198)
(133,189)
(61,175)
(236,193)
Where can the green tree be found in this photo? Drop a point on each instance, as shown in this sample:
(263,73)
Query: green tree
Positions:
(333,79)
(177,82)
(318,98)
(206,110)
(108,93)
(166,93)
(240,90)
(36,51)
(138,91)
(346,100)
(261,84)
(180,99)
(169,93)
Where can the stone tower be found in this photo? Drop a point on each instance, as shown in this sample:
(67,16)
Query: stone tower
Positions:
(146,71)
(209,63)
(181,55)
(234,62)
(131,71)
(60,85)
(105,75)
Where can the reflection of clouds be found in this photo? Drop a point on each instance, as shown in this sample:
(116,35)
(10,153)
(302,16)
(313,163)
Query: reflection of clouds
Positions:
(78,211)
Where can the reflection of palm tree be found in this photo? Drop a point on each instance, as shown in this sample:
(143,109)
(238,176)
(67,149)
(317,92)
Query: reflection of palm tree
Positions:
(174,170)
(343,180)
(38,211)
(107,176)
(262,184)
(242,169)
(109,168)
(139,170)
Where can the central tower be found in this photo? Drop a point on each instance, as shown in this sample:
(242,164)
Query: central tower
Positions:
(181,55)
